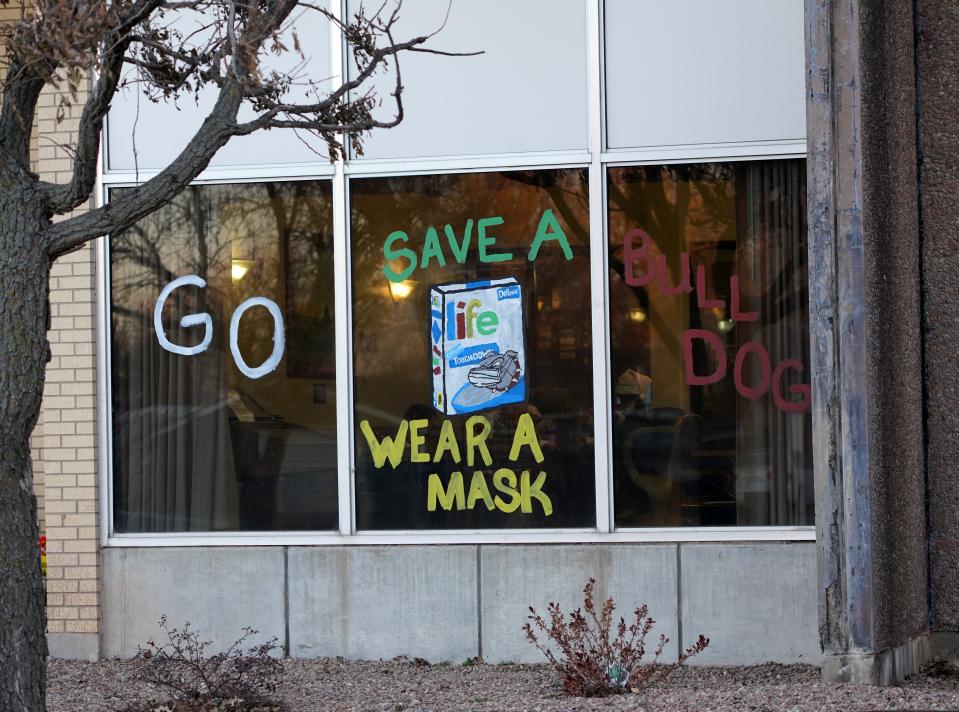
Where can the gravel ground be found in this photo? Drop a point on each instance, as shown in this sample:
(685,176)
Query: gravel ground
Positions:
(308,685)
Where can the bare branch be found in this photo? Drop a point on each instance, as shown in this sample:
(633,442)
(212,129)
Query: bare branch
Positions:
(216,130)
(64,198)
(228,56)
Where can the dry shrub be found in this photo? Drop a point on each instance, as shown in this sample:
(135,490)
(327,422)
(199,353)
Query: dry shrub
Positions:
(239,679)
(594,660)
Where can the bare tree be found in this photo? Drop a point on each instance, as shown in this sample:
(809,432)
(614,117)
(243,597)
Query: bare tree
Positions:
(64,42)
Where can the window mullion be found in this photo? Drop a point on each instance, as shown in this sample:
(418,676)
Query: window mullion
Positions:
(598,274)
(343,321)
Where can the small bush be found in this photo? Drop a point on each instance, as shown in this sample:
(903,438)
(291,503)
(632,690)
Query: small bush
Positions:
(593,660)
(238,679)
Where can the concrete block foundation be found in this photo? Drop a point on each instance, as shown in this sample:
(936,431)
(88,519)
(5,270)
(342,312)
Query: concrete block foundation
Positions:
(745,597)
(517,577)
(379,602)
(219,590)
(756,602)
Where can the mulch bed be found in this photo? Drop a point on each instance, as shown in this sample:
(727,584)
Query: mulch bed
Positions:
(392,686)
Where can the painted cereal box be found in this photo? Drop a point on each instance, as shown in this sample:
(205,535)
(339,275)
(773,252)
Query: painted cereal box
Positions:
(478,346)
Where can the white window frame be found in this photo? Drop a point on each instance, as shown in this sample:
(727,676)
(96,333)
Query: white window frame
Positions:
(596,159)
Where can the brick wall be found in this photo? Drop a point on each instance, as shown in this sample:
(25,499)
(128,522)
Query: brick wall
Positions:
(68,442)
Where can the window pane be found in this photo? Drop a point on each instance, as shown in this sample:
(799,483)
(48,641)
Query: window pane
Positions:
(709,328)
(135,121)
(472,350)
(727,71)
(526,92)
(198,444)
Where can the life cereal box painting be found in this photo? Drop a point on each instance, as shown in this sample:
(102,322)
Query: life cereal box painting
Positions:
(478,345)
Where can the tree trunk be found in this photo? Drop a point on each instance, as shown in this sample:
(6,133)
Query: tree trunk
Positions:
(24,291)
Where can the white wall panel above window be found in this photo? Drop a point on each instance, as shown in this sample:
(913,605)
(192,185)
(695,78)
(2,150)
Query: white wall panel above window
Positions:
(146,136)
(703,71)
(527,93)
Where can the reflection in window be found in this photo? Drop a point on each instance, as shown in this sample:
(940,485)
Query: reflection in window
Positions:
(472,351)
(709,345)
(198,445)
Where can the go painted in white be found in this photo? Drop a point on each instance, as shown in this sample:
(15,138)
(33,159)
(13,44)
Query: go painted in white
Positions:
(204,319)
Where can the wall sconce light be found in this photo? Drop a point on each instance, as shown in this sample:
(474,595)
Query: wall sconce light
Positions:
(401,290)
(239,268)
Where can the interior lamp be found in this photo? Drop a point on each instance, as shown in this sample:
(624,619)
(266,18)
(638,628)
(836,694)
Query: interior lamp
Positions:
(239,268)
(401,290)
(637,314)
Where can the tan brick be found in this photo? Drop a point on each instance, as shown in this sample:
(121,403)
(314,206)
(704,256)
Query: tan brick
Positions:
(73,282)
(70,334)
(86,401)
(57,505)
(80,572)
(87,560)
(61,560)
(80,599)
(74,414)
(90,612)
(79,493)
(80,466)
(77,388)
(89,585)
(80,520)
(83,268)
(86,480)
(60,481)
(54,454)
(78,441)
(61,402)
(54,626)
(73,309)
(62,613)
(77,626)
(59,429)
(63,586)
(86,546)
(57,164)
(79,362)
(58,295)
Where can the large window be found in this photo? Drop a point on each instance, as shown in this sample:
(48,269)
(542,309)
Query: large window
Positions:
(223,373)
(565,297)
(472,351)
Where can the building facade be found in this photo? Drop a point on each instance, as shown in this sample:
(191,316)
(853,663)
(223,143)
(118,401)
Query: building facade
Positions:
(618,299)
